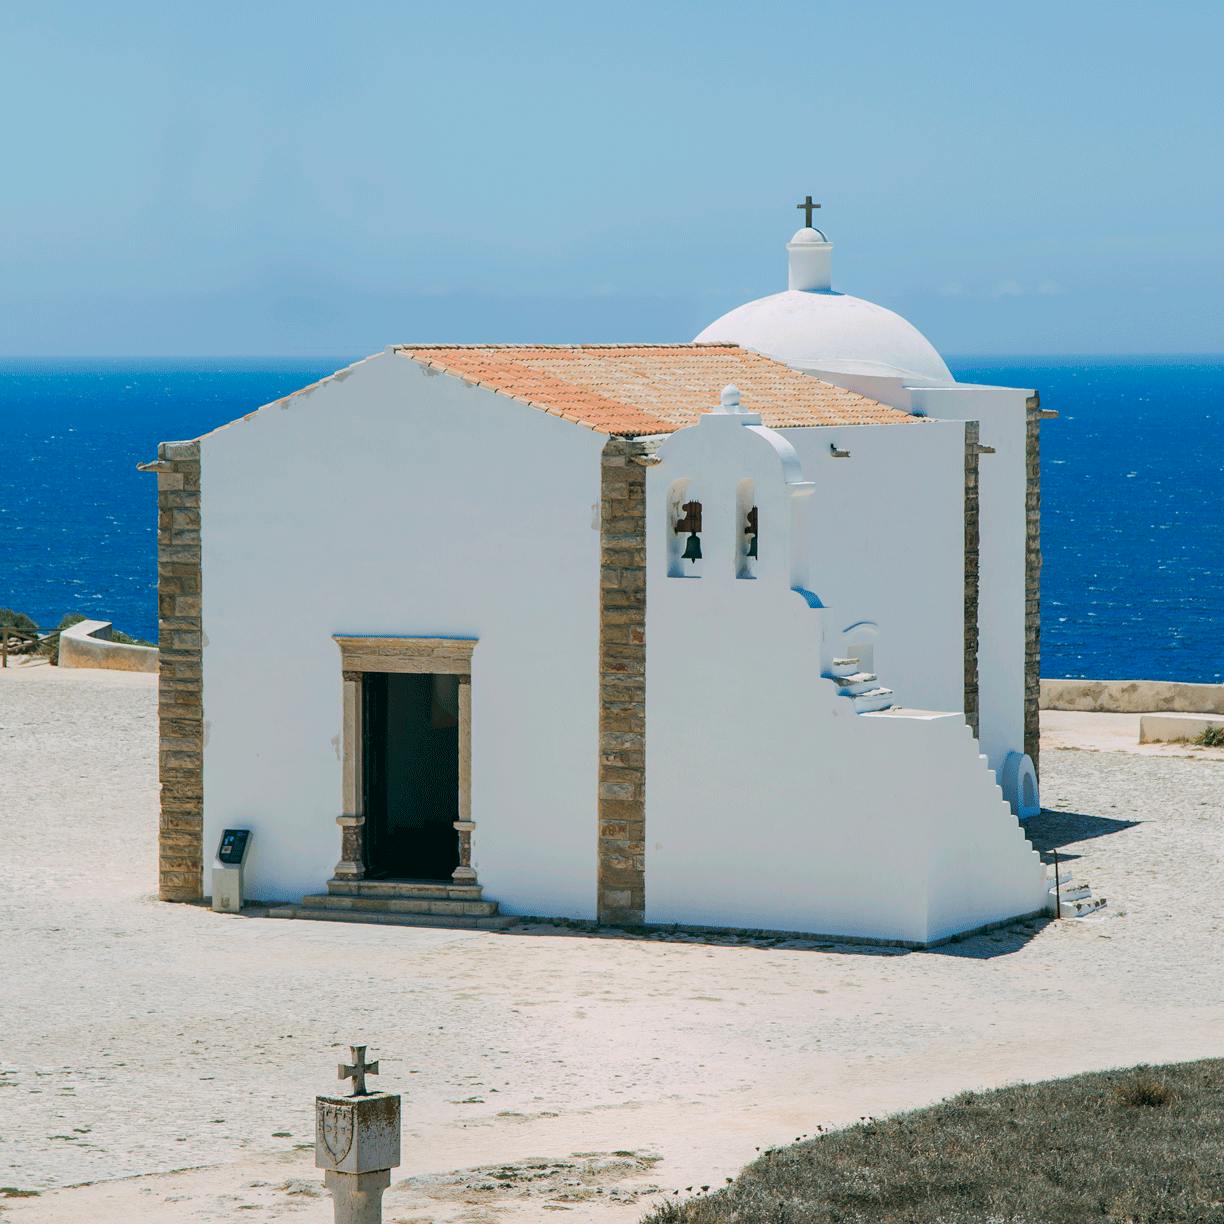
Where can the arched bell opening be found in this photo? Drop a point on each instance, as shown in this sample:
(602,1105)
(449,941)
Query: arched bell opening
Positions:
(685,554)
(747,543)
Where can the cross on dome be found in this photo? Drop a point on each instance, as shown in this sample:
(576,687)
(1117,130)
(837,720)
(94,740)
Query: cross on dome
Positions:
(808,208)
(812,327)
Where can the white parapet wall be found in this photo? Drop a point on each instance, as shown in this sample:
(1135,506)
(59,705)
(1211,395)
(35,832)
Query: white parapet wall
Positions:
(88,644)
(1132,696)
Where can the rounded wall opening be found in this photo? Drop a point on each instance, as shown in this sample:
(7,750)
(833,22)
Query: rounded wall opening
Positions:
(1019,782)
(682,530)
(860,643)
(746,541)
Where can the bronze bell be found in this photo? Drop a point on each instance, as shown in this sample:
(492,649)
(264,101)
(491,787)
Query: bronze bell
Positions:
(751,530)
(692,548)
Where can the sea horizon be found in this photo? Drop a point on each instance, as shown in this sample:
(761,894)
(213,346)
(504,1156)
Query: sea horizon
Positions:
(189,358)
(1133,522)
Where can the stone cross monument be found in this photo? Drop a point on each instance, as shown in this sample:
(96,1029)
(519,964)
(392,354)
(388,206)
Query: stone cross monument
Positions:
(357,1143)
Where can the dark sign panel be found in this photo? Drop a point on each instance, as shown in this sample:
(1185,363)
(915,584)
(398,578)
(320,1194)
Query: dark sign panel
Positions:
(233,846)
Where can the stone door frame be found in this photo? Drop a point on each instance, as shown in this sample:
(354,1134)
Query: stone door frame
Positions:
(418,655)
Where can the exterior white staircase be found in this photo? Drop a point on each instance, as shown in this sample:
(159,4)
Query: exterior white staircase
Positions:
(1069,899)
(863,688)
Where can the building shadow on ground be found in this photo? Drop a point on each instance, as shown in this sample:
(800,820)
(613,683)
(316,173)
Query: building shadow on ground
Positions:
(1050,831)
(1053,830)
(985,945)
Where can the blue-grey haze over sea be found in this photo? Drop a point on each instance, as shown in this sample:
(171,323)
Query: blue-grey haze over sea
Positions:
(1132,494)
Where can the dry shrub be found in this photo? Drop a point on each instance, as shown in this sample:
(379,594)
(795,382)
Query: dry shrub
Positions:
(1143,1091)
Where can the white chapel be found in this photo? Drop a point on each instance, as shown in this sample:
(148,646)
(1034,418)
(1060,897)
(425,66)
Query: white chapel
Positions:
(741,632)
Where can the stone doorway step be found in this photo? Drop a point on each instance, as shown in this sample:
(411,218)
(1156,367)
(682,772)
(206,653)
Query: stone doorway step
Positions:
(430,903)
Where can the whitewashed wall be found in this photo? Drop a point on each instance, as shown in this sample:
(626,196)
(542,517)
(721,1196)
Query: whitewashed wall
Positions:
(389,500)
(770,802)
(887,546)
(1001,484)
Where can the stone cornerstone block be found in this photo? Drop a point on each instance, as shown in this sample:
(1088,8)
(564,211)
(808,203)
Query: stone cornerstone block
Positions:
(1032,583)
(180,690)
(357,1134)
(972,511)
(621,791)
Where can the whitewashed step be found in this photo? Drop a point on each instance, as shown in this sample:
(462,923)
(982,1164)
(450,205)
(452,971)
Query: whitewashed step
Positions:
(843,667)
(462,922)
(854,686)
(1080,909)
(1074,892)
(405,889)
(856,678)
(401,905)
(873,700)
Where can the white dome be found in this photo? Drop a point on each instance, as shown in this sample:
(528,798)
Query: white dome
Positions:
(811,327)
(830,331)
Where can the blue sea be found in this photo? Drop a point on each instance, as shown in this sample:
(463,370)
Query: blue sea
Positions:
(1132,494)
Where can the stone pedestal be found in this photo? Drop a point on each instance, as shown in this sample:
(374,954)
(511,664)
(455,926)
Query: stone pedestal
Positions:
(357,1144)
(357,1197)
(227,888)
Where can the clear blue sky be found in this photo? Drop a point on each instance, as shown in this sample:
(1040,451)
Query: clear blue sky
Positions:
(296,178)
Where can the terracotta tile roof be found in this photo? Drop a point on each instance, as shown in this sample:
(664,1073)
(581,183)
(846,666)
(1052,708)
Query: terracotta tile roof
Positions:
(631,389)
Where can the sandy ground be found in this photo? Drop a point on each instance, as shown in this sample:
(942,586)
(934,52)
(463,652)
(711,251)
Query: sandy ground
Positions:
(159,1062)
(1111,733)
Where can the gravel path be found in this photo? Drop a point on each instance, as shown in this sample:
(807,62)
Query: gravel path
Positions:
(541,1070)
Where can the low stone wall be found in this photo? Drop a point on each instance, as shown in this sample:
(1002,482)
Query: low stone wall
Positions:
(1132,696)
(1169,728)
(88,644)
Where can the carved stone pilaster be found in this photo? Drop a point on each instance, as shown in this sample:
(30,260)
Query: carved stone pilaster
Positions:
(352,824)
(465,873)
(352,848)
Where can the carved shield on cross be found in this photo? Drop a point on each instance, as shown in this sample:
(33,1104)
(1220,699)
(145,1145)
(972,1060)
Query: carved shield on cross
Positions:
(336,1127)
